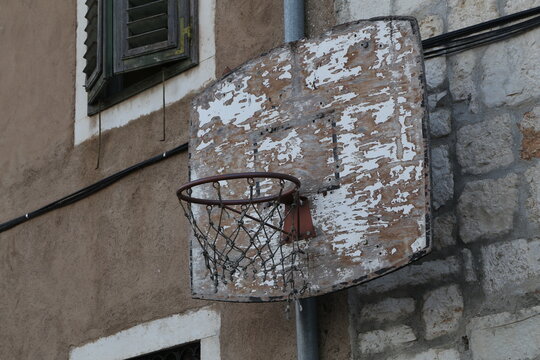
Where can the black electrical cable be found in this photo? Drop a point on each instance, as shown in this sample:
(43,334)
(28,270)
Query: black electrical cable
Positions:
(443,39)
(470,42)
(449,43)
(484,38)
(92,189)
(457,41)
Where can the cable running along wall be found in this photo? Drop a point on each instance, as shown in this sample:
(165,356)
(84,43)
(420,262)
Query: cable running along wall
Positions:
(453,42)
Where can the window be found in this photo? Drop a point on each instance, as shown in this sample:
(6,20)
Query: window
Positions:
(151,99)
(191,351)
(132,45)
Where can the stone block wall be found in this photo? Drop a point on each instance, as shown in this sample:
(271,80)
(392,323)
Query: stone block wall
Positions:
(477,295)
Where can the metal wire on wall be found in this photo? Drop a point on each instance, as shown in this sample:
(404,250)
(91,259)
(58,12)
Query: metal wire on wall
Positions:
(445,44)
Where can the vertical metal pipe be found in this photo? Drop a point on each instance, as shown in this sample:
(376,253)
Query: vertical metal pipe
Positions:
(293,17)
(307,329)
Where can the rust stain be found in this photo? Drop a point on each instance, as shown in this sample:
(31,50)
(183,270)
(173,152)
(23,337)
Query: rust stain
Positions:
(530,147)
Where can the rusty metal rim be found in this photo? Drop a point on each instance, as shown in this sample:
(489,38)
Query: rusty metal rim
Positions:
(246,175)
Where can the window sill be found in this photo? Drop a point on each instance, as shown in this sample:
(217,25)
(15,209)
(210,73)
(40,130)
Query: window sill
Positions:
(203,324)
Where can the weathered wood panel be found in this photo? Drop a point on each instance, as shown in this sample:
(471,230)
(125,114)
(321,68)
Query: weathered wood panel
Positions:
(345,114)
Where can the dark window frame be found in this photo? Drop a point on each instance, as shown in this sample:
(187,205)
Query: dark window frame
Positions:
(93,76)
(191,349)
(120,73)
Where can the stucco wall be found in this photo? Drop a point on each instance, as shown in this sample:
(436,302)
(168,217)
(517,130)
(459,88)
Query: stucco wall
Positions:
(36,91)
(119,258)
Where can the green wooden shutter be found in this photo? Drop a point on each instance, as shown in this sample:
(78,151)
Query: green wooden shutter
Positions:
(93,54)
(98,43)
(150,33)
(132,44)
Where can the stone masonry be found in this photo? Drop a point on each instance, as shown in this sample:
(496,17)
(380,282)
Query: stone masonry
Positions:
(477,295)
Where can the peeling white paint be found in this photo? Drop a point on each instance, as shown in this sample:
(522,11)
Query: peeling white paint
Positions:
(378,152)
(405,209)
(383,42)
(345,97)
(419,244)
(203,145)
(235,106)
(373,264)
(286,73)
(334,68)
(288,149)
(344,216)
(385,111)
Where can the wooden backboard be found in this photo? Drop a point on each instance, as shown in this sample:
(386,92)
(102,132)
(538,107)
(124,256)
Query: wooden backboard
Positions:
(345,113)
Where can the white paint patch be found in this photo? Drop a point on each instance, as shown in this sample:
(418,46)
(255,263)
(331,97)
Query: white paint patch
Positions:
(289,148)
(419,244)
(345,216)
(409,149)
(401,197)
(373,264)
(345,97)
(150,100)
(385,111)
(343,273)
(286,73)
(203,145)
(405,209)
(203,324)
(202,132)
(235,107)
(356,255)
(383,45)
(335,68)
(403,173)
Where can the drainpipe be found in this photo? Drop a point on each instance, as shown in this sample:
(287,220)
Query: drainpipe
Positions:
(307,330)
(293,18)
(307,342)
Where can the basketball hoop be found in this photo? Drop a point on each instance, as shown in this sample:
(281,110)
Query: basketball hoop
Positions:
(361,155)
(250,225)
